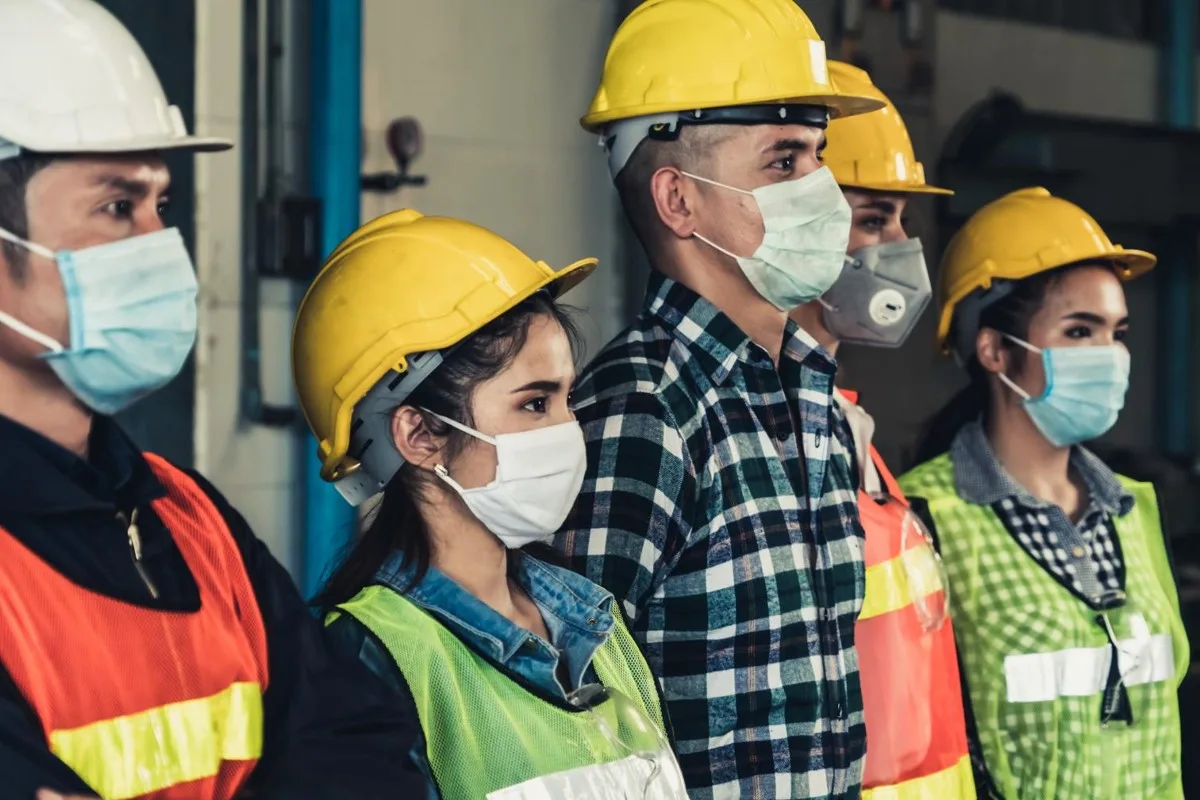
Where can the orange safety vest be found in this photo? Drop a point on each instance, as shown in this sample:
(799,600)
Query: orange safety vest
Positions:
(140,702)
(912,701)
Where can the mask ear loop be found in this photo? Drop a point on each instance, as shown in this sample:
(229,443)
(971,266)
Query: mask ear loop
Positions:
(439,469)
(36,249)
(16,324)
(31,334)
(1007,381)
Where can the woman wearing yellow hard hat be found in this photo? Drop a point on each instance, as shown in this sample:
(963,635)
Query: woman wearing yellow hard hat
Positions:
(1065,607)
(434,367)
(916,733)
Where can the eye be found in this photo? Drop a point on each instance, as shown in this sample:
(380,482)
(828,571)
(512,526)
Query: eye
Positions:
(164,206)
(120,209)
(537,405)
(1120,335)
(874,224)
(785,164)
(1078,332)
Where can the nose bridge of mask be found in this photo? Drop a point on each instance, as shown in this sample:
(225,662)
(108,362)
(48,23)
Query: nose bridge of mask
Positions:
(12,322)
(800,200)
(522,456)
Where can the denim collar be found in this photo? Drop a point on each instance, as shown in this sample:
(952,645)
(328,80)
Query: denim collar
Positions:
(576,611)
(980,478)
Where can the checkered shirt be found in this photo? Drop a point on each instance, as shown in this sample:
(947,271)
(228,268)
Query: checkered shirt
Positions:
(732,543)
(1085,557)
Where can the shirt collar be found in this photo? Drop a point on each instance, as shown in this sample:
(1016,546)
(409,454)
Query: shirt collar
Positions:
(715,338)
(573,600)
(38,476)
(980,478)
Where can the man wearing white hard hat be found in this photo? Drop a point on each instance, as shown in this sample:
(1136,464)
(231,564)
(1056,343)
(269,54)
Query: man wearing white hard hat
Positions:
(149,643)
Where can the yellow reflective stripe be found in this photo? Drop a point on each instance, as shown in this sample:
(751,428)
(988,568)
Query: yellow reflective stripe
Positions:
(953,783)
(141,753)
(888,582)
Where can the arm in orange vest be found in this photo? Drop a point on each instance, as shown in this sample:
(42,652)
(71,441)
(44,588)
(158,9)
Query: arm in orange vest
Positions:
(331,729)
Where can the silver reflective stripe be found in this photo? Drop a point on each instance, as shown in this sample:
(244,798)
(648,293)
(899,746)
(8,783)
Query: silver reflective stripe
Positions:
(654,778)
(1082,671)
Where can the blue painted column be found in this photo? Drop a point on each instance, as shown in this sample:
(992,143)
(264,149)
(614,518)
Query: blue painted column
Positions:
(336,141)
(1178,76)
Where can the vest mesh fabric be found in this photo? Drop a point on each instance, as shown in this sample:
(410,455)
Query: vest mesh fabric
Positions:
(484,731)
(1004,604)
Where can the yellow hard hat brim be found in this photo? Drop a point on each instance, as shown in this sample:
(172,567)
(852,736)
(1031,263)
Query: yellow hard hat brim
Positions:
(839,105)
(899,188)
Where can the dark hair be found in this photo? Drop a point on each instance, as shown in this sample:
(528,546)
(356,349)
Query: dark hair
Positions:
(15,174)
(397,523)
(1012,315)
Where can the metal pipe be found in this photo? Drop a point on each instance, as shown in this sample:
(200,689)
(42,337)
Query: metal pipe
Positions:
(335,165)
(250,399)
(273,103)
(1178,76)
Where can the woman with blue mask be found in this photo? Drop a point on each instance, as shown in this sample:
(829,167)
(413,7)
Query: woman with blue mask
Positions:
(1065,607)
(435,369)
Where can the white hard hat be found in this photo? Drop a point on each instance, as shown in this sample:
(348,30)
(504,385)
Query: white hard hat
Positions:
(73,80)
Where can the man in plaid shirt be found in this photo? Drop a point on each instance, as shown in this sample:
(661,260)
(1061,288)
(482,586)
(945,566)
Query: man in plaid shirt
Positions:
(720,504)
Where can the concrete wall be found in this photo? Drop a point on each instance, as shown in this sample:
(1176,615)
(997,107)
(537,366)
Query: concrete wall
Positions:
(498,87)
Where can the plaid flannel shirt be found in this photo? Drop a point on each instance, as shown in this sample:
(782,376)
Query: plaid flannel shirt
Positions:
(733,545)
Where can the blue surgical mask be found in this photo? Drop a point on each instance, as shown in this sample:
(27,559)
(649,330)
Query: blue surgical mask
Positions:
(1085,391)
(131,305)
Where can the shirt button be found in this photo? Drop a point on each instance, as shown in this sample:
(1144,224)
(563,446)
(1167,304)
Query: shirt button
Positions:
(591,621)
(1077,552)
(530,644)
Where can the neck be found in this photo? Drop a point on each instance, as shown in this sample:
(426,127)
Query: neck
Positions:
(38,401)
(467,552)
(729,291)
(1025,453)
(811,317)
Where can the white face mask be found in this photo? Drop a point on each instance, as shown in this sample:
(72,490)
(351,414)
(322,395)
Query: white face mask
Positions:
(538,476)
(806,224)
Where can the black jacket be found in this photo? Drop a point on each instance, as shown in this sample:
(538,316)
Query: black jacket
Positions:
(331,729)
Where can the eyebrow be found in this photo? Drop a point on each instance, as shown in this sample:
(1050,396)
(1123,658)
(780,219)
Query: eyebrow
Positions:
(129,186)
(1095,319)
(783,145)
(885,206)
(539,386)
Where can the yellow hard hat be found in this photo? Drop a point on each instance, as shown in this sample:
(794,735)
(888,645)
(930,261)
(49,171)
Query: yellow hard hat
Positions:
(1022,234)
(684,61)
(872,151)
(401,285)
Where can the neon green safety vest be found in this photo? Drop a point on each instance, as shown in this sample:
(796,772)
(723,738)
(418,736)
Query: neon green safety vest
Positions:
(1036,658)
(484,731)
